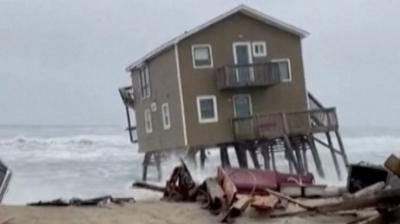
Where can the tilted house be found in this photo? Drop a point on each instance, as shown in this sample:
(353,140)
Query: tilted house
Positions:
(237,80)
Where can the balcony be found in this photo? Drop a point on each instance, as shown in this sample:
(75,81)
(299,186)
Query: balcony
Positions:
(251,75)
(275,125)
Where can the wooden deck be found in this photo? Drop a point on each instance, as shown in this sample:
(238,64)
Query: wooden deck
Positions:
(269,126)
(245,76)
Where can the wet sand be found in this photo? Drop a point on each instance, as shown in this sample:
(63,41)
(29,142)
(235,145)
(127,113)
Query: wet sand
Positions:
(141,213)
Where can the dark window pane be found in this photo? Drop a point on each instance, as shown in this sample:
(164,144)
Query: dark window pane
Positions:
(202,56)
(207,108)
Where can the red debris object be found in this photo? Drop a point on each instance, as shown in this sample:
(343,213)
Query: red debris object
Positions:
(256,181)
(284,178)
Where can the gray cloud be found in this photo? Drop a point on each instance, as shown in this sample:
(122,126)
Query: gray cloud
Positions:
(61,62)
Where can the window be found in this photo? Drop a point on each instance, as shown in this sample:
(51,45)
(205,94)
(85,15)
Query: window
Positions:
(207,109)
(284,69)
(259,49)
(144,82)
(147,121)
(202,56)
(165,116)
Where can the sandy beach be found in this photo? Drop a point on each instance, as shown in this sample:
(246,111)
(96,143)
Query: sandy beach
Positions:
(143,213)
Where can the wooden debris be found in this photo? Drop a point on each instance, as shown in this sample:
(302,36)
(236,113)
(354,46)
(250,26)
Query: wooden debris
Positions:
(392,163)
(240,205)
(84,202)
(148,186)
(215,194)
(265,202)
(370,190)
(289,199)
(227,185)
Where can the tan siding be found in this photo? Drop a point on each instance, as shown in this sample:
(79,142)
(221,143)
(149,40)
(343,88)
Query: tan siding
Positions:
(164,89)
(282,97)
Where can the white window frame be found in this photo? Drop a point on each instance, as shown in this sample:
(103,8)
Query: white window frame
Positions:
(207,120)
(147,120)
(211,65)
(165,113)
(250,103)
(289,67)
(144,79)
(264,45)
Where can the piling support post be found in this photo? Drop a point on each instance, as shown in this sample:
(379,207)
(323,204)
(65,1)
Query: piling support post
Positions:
(253,155)
(266,156)
(224,156)
(343,152)
(315,154)
(334,158)
(241,155)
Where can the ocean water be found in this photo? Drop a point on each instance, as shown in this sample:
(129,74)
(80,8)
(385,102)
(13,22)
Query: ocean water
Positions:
(65,162)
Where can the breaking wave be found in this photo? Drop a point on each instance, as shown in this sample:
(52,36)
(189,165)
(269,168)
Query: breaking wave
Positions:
(92,162)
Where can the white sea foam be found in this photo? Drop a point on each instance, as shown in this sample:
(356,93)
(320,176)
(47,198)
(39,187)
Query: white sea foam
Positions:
(94,162)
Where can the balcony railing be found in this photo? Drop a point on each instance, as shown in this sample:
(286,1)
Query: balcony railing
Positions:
(251,75)
(127,96)
(278,124)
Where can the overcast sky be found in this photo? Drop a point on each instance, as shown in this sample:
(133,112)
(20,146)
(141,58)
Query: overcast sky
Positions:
(61,62)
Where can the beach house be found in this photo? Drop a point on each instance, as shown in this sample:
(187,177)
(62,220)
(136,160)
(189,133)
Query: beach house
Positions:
(237,83)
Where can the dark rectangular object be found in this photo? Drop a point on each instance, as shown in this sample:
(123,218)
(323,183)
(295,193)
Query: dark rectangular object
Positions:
(364,175)
(5,177)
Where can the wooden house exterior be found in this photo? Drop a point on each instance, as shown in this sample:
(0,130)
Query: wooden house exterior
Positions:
(237,80)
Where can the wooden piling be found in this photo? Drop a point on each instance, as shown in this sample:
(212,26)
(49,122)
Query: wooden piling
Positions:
(145,164)
(304,152)
(315,154)
(157,159)
(266,157)
(203,157)
(241,155)
(343,152)
(224,156)
(273,161)
(290,155)
(252,150)
(334,158)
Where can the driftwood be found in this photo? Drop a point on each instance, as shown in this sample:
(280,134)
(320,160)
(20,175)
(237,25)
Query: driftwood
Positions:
(148,186)
(370,190)
(387,197)
(289,199)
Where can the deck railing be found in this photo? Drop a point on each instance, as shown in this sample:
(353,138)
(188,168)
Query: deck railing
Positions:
(127,96)
(251,75)
(278,124)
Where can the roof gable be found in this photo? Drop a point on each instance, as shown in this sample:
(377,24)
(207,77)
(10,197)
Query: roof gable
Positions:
(252,13)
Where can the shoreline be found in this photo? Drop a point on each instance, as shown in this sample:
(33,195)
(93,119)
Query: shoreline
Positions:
(144,212)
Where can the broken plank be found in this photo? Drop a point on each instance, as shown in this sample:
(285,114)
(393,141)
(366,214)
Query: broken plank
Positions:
(387,196)
(148,186)
(215,193)
(289,199)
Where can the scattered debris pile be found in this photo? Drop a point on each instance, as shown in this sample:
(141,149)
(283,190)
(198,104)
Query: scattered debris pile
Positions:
(99,201)
(233,191)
